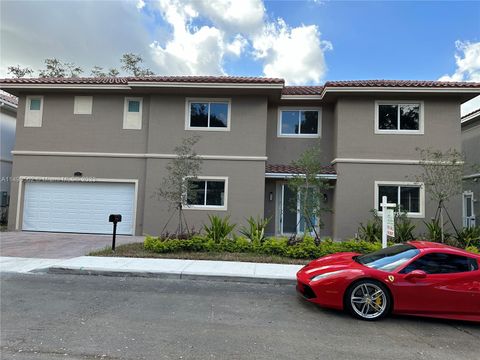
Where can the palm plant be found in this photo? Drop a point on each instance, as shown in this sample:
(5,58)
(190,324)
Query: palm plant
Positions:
(256,229)
(219,228)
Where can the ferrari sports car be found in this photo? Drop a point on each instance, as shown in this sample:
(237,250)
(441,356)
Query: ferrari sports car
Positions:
(415,278)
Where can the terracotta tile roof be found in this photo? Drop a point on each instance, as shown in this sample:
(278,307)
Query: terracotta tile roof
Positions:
(79,80)
(8,98)
(400,83)
(290,169)
(302,90)
(126,80)
(209,79)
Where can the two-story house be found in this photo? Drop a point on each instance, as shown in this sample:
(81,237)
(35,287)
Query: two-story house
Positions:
(87,147)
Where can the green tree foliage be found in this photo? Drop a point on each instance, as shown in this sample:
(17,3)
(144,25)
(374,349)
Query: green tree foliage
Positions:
(19,71)
(442,174)
(310,188)
(59,69)
(177,184)
(131,64)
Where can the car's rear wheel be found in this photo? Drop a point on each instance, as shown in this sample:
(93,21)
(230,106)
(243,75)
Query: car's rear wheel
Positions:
(368,300)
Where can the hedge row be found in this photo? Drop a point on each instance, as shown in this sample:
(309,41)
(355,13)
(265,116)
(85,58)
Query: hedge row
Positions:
(306,249)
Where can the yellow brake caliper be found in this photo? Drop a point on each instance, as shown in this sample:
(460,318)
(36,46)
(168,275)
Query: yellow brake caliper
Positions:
(378,301)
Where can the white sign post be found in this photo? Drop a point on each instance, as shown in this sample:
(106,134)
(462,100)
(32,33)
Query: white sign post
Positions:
(388,221)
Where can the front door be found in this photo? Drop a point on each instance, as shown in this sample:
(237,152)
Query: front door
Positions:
(291,219)
(468,210)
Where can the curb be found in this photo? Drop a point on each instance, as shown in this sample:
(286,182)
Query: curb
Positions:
(170,276)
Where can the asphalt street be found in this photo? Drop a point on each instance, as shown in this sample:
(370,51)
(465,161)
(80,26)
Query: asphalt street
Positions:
(48,316)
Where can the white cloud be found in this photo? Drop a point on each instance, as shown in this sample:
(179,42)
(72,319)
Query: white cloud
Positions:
(467,59)
(295,54)
(140,4)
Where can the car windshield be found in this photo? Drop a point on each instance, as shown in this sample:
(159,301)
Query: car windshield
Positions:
(390,258)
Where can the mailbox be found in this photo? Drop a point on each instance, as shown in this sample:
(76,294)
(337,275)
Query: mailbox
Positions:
(115,218)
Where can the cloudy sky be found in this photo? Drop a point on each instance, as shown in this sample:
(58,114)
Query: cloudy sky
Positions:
(305,42)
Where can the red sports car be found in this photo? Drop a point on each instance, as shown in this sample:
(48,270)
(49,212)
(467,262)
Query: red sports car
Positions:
(416,278)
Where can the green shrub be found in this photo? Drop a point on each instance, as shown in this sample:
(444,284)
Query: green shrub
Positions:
(372,230)
(469,237)
(403,228)
(434,231)
(256,229)
(473,249)
(219,228)
(305,249)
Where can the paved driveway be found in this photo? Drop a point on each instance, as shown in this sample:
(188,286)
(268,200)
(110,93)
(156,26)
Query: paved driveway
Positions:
(56,245)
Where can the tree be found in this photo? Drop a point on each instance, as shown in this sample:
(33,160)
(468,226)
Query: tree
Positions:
(178,185)
(442,176)
(310,189)
(131,64)
(58,69)
(19,72)
(98,71)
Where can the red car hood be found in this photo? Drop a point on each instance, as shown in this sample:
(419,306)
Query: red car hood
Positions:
(329,263)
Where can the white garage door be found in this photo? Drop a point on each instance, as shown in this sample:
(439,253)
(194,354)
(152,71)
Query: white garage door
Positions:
(78,207)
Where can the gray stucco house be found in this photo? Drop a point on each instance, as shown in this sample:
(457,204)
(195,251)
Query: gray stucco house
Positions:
(87,147)
(471,148)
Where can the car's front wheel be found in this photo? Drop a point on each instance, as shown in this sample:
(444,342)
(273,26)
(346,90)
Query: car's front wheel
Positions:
(368,300)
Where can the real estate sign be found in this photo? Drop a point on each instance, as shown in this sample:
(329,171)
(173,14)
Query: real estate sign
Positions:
(390,222)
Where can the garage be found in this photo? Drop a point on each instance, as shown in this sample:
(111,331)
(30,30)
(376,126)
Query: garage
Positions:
(78,207)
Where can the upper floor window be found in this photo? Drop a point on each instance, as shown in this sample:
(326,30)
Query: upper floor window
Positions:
(398,117)
(299,122)
(208,114)
(82,105)
(409,196)
(132,113)
(33,111)
(207,193)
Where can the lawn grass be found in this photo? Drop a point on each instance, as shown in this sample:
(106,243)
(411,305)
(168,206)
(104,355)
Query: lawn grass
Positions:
(137,250)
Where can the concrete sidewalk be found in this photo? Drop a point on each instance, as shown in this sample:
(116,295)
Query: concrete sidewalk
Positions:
(164,268)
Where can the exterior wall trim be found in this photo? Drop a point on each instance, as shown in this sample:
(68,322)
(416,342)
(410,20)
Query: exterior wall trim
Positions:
(134,155)
(289,176)
(22,179)
(376,161)
(472,176)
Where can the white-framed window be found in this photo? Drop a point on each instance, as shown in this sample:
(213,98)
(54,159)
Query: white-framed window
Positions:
(208,193)
(208,114)
(82,105)
(299,122)
(399,117)
(132,113)
(33,111)
(409,196)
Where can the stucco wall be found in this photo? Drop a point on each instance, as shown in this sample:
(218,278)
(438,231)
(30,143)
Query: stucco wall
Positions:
(354,196)
(471,148)
(245,194)
(282,150)
(356,137)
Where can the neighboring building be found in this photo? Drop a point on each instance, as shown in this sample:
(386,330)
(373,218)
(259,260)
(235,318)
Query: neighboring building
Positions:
(8,115)
(122,131)
(471,148)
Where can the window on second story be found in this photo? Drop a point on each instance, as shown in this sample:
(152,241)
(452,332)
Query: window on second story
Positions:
(299,123)
(394,117)
(82,105)
(409,196)
(132,113)
(33,111)
(205,114)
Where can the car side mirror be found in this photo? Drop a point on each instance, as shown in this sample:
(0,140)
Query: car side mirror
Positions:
(416,274)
